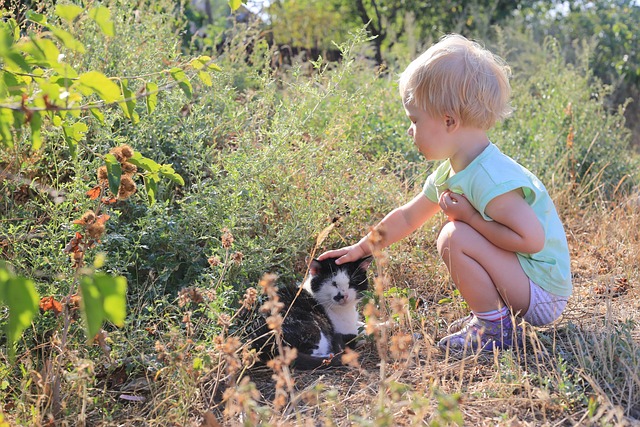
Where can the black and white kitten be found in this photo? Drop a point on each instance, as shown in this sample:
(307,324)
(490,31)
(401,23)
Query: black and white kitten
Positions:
(323,319)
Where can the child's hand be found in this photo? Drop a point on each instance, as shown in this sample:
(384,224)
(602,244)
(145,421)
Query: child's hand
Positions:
(456,207)
(346,254)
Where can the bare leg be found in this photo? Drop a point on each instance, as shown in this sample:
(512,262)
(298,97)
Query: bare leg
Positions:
(486,276)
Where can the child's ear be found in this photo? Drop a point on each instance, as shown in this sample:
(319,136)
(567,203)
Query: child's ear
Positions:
(451,123)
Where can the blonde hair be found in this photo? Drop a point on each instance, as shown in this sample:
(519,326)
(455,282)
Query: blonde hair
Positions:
(460,78)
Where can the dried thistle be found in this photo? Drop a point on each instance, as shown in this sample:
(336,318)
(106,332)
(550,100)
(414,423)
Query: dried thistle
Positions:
(350,358)
(272,305)
(103,175)
(290,354)
(237,258)
(190,294)
(95,230)
(214,261)
(127,187)
(250,298)
(380,284)
(249,356)
(227,238)
(117,153)
(400,344)
(267,284)
(274,322)
(399,305)
(126,151)
(89,217)
(78,259)
(129,168)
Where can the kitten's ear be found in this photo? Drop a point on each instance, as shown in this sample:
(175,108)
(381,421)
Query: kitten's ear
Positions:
(314,267)
(364,263)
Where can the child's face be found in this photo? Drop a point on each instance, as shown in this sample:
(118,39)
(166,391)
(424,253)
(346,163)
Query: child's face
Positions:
(429,133)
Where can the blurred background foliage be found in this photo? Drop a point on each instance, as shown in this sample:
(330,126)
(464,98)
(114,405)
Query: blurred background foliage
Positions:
(401,29)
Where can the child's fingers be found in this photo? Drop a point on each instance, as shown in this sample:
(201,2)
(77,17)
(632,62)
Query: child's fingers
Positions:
(335,253)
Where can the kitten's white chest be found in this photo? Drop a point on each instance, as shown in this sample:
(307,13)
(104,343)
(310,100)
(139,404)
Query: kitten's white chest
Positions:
(344,319)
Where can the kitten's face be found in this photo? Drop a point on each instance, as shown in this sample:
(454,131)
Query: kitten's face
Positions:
(338,285)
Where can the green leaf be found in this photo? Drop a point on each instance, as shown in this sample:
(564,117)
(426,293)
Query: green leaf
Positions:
(129,107)
(197,63)
(6,124)
(114,172)
(183,81)
(19,294)
(16,60)
(75,131)
(102,16)
(8,31)
(214,67)
(68,40)
(114,296)
(235,4)
(73,134)
(104,297)
(144,163)
(205,78)
(168,172)
(151,92)
(92,310)
(100,84)
(9,84)
(95,112)
(36,17)
(151,185)
(68,12)
(35,123)
(44,51)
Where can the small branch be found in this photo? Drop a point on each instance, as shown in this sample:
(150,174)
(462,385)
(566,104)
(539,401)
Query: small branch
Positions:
(87,107)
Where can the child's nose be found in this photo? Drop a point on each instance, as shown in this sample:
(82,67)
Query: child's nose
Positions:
(410,131)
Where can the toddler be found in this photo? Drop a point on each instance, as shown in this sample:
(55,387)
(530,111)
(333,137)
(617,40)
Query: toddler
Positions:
(504,244)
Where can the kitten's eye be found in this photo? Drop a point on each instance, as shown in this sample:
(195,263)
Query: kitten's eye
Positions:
(334,283)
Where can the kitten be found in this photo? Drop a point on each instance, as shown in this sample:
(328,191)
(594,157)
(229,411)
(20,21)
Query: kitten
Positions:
(322,319)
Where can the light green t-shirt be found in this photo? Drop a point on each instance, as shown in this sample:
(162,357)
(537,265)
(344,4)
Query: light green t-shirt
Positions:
(493,173)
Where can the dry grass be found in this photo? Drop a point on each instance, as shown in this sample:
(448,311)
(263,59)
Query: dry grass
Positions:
(580,371)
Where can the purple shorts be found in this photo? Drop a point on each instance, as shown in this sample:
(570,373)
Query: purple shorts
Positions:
(544,307)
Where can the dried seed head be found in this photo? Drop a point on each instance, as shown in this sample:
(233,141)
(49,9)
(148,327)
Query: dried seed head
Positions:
(126,151)
(400,344)
(249,356)
(350,358)
(95,230)
(127,187)
(290,354)
(274,322)
(214,261)
(129,168)
(250,298)
(267,283)
(117,153)
(237,258)
(188,295)
(103,175)
(227,238)
(89,217)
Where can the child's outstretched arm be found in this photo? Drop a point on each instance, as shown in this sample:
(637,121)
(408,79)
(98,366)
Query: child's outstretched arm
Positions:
(514,228)
(396,225)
